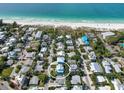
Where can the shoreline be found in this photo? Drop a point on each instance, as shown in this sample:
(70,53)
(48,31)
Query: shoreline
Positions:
(74,25)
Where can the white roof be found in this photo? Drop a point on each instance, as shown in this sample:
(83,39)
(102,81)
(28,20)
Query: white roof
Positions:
(117,68)
(76,87)
(108,33)
(105,34)
(117,84)
(60,59)
(68,36)
(61,53)
(59,67)
(100,79)
(104,88)
(43,49)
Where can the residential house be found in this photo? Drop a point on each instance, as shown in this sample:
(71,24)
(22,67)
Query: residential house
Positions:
(38,35)
(73,67)
(60,69)
(68,36)
(75,79)
(71,54)
(28,62)
(34,80)
(60,46)
(77,87)
(38,68)
(5,49)
(24,69)
(88,49)
(100,79)
(30,55)
(40,62)
(61,53)
(60,80)
(116,66)
(70,47)
(104,87)
(9,62)
(95,67)
(107,66)
(43,49)
(12,54)
(69,43)
(71,61)
(23,81)
(12,40)
(92,56)
(60,60)
(117,84)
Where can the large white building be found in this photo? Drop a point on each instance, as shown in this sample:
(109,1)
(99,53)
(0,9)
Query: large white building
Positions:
(107,34)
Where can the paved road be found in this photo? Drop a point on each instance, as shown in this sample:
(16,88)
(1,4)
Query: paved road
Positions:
(88,79)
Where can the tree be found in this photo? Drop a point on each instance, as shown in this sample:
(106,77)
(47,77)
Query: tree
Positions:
(54,73)
(68,84)
(122,53)
(14,24)
(112,40)
(18,68)
(1,22)
(2,62)
(43,78)
(6,72)
(2,59)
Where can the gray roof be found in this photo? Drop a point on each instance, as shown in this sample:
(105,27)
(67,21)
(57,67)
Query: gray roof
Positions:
(39,68)
(95,67)
(24,69)
(34,80)
(9,62)
(73,66)
(30,54)
(38,35)
(60,80)
(70,47)
(71,61)
(29,62)
(75,79)
(40,62)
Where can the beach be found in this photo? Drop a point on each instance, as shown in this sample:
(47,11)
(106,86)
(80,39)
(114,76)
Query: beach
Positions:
(113,26)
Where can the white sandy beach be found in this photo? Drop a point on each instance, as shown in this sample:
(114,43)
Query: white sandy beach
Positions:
(71,24)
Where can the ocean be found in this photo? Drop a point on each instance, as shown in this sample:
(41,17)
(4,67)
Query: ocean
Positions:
(80,12)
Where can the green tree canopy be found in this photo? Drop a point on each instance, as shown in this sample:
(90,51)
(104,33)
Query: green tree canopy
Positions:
(6,72)
(43,78)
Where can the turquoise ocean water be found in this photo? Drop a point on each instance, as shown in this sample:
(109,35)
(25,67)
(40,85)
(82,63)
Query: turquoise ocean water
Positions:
(64,12)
